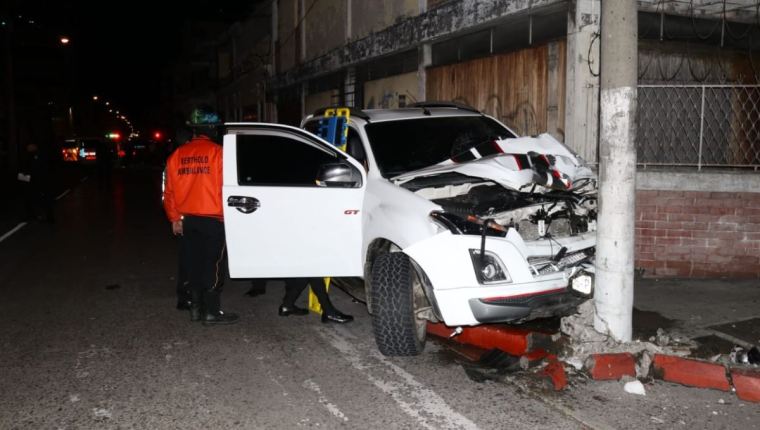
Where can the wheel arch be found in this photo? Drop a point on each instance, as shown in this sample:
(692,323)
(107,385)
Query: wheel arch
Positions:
(381,246)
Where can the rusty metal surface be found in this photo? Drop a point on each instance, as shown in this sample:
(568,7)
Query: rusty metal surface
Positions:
(511,87)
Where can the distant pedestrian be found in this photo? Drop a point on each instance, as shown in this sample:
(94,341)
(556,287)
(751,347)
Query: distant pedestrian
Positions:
(193,204)
(34,178)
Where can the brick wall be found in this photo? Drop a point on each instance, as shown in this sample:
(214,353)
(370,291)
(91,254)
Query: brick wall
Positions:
(698,234)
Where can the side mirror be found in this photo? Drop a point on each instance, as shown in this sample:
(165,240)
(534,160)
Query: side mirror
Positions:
(339,175)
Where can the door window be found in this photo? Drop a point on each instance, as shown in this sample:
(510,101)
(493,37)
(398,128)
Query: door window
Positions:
(279,161)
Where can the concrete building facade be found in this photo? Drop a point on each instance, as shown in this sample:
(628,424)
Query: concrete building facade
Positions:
(534,65)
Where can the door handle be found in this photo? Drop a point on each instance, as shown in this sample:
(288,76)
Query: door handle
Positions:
(244,204)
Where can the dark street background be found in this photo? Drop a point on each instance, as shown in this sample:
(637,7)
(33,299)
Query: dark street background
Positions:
(90,338)
(90,335)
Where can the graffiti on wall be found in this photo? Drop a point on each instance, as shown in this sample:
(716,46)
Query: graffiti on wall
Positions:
(391,100)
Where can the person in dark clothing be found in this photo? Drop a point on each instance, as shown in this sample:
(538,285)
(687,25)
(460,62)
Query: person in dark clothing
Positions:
(258,288)
(193,205)
(293,289)
(35,179)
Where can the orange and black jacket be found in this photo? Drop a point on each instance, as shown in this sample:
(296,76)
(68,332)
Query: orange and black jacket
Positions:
(194,180)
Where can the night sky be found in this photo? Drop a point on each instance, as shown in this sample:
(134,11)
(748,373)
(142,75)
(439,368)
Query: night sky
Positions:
(121,48)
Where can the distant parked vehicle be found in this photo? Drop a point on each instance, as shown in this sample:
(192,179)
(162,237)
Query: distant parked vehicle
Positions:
(70,150)
(137,151)
(80,150)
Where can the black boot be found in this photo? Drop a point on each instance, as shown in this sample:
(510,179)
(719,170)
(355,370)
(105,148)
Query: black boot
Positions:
(220,318)
(196,310)
(336,316)
(287,310)
(258,288)
(213,314)
(184,298)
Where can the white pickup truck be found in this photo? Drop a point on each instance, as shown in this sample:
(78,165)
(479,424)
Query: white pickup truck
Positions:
(445,213)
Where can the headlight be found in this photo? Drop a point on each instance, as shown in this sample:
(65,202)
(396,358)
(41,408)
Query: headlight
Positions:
(582,283)
(489,268)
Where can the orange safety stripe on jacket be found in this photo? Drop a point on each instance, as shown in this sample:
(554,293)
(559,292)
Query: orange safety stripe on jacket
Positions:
(194,180)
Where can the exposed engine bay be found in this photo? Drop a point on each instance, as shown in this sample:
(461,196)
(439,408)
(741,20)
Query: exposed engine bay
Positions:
(535,212)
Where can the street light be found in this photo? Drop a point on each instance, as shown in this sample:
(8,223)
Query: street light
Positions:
(65,40)
(95,98)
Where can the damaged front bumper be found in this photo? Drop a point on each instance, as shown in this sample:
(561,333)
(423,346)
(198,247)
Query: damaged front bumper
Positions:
(533,287)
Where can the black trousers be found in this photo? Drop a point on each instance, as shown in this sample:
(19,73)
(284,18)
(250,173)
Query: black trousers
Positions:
(183,276)
(206,252)
(37,202)
(295,286)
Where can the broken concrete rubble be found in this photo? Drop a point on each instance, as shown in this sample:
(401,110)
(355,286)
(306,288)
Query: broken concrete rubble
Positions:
(584,340)
(585,353)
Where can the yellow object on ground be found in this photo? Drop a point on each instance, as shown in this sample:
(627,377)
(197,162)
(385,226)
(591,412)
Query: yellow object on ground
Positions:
(314,305)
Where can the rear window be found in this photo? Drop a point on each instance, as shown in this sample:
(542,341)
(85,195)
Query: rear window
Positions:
(406,145)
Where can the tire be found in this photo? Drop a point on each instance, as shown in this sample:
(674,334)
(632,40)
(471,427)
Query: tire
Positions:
(396,296)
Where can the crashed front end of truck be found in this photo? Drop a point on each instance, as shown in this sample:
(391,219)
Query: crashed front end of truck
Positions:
(516,231)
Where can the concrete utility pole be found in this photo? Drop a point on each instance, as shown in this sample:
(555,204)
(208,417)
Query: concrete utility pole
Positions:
(582,79)
(613,297)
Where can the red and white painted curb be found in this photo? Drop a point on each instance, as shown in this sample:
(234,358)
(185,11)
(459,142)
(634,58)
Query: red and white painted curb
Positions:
(531,346)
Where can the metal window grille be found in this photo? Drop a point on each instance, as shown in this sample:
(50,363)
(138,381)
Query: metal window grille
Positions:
(699,126)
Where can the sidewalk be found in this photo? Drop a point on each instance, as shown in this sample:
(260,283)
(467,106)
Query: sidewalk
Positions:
(717,313)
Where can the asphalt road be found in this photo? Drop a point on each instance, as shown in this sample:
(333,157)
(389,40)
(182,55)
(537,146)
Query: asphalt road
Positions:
(89,338)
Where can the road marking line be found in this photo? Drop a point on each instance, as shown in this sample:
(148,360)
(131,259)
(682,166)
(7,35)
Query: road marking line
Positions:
(418,401)
(13,230)
(323,400)
(83,179)
(63,194)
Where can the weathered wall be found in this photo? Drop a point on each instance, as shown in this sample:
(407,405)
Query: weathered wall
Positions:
(368,16)
(287,17)
(511,87)
(448,18)
(325,26)
(319,100)
(385,93)
(684,63)
(698,234)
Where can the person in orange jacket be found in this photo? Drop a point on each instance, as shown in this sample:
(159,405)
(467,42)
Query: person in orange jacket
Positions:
(193,205)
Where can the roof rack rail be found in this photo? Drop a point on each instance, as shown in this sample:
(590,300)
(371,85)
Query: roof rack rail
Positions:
(439,104)
(352,110)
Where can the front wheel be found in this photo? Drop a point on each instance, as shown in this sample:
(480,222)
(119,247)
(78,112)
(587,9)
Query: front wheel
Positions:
(397,299)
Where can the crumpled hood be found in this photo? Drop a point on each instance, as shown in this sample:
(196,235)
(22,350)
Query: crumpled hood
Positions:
(514,163)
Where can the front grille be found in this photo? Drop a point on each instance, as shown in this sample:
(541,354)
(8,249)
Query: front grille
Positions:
(543,266)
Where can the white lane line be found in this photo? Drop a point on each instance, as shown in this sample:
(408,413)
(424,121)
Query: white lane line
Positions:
(418,401)
(13,230)
(63,194)
(323,400)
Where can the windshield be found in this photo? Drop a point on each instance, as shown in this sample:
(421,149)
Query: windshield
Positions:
(406,145)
